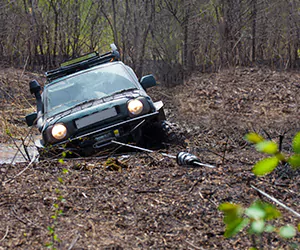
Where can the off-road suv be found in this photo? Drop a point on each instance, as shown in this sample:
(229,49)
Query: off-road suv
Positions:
(90,101)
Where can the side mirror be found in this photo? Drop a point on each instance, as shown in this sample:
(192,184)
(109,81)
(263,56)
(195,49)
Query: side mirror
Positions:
(34,87)
(148,81)
(30,119)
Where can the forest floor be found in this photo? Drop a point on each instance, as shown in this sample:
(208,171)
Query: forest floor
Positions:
(148,201)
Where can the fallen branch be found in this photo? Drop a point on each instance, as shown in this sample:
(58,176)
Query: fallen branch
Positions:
(32,161)
(6,233)
(276,201)
(74,242)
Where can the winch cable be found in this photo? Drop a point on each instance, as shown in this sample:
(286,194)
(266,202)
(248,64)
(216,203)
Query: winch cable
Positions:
(182,158)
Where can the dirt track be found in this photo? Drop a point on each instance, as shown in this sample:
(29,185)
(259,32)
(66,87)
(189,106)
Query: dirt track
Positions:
(148,201)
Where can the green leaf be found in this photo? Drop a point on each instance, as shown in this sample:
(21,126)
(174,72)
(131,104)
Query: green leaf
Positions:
(235,226)
(50,230)
(271,211)
(299,227)
(254,138)
(55,238)
(262,210)
(65,171)
(258,226)
(255,212)
(268,147)
(60,180)
(49,244)
(54,217)
(7,131)
(61,161)
(231,211)
(280,156)
(287,232)
(265,166)
(233,218)
(294,161)
(269,229)
(296,143)
(64,154)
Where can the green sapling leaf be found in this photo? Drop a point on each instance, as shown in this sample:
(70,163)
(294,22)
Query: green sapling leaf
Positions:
(258,226)
(287,232)
(65,171)
(269,228)
(231,211)
(255,212)
(50,230)
(235,226)
(61,161)
(49,245)
(262,210)
(267,147)
(296,143)
(254,138)
(294,160)
(265,166)
(7,131)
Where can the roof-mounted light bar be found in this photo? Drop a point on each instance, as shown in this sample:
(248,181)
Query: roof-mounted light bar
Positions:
(83,62)
(79,59)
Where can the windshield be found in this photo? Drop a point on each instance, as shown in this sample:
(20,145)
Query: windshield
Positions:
(93,84)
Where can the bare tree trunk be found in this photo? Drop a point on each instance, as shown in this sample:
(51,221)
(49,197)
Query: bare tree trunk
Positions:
(254,12)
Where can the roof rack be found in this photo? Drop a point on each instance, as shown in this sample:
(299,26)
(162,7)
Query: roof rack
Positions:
(83,62)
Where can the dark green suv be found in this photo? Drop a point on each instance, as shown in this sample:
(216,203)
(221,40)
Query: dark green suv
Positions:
(93,100)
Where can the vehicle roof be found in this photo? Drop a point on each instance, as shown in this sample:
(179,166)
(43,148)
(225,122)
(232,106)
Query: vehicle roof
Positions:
(83,62)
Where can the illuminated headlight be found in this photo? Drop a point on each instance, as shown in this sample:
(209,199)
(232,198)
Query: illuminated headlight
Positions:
(135,107)
(59,131)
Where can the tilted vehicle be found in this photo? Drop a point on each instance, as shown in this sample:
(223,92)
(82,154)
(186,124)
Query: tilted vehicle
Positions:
(90,101)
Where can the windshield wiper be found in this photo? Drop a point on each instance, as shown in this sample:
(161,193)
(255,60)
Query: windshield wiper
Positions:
(73,106)
(122,91)
(84,102)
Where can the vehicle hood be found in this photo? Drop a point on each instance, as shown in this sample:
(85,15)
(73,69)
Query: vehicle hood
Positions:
(95,106)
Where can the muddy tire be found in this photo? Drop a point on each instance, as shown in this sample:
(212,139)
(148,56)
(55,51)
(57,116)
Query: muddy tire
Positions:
(172,133)
(162,134)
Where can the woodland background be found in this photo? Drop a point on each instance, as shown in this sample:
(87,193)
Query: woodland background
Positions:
(169,37)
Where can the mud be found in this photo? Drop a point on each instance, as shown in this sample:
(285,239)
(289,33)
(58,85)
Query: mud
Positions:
(12,154)
(147,201)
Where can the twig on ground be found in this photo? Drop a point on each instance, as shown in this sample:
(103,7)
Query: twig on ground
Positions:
(74,242)
(32,161)
(6,233)
(276,201)
(192,245)
(192,187)
(19,150)
(224,153)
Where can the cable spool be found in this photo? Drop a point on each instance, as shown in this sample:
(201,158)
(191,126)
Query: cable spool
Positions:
(186,159)
(182,158)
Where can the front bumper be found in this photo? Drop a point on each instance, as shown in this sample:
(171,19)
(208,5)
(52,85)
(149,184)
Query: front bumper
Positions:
(125,131)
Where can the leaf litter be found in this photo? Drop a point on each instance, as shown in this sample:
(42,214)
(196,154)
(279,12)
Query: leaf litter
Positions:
(147,201)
